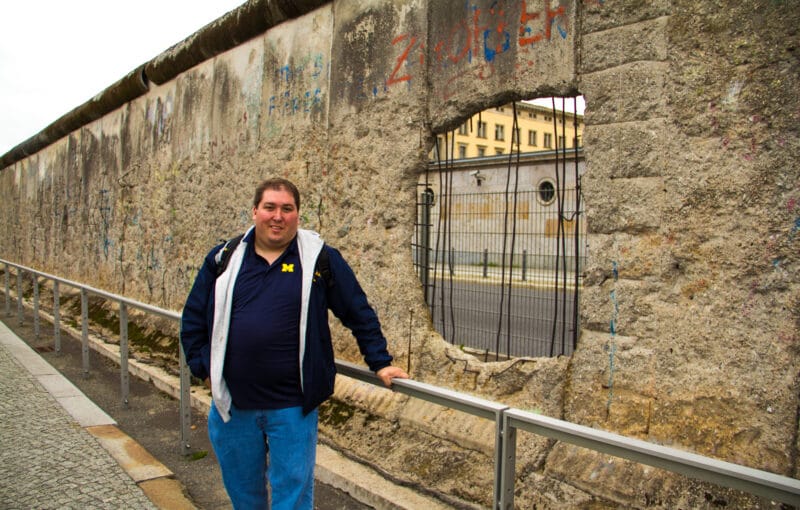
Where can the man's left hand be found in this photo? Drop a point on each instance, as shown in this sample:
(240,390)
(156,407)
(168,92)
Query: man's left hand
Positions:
(386,374)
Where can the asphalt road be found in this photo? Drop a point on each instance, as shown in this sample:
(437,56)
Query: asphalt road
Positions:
(472,309)
(152,419)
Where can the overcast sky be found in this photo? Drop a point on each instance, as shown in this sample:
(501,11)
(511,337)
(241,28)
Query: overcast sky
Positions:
(55,54)
(566,104)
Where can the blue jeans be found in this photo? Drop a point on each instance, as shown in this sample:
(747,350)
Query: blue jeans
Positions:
(257,446)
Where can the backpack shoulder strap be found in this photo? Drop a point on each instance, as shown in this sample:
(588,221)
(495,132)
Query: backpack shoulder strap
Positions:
(224,255)
(323,267)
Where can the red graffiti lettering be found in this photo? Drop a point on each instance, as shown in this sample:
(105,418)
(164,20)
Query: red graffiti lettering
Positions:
(437,50)
(449,88)
(393,78)
(464,51)
(549,16)
(485,71)
(524,18)
(482,34)
(477,30)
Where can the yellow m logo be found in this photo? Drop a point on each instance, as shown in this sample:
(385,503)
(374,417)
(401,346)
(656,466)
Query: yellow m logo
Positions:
(287,268)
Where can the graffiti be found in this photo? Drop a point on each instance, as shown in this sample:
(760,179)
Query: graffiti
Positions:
(288,104)
(401,60)
(472,43)
(780,244)
(479,38)
(612,348)
(296,91)
(527,37)
(776,249)
(136,218)
(101,223)
(311,66)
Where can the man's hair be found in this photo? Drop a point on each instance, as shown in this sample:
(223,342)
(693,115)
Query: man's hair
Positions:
(278,184)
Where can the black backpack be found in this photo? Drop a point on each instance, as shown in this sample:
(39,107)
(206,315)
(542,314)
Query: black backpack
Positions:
(223,256)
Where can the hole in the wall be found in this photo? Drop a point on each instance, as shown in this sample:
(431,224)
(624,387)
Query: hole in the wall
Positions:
(500,234)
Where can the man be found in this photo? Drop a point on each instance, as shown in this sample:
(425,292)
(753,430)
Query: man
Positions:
(258,335)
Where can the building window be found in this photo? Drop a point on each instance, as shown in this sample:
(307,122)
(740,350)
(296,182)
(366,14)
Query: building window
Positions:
(500,109)
(481,151)
(546,192)
(547,118)
(439,150)
(499,132)
(463,129)
(443,150)
(531,115)
(532,138)
(577,141)
(515,139)
(498,150)
(548,140)
(462,151)
(481,130)
(560,143)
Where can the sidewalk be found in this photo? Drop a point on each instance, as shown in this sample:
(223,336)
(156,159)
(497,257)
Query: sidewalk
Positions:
(59,450)
(493,275)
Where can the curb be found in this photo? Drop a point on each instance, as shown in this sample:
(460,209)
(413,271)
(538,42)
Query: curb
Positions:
(154,478)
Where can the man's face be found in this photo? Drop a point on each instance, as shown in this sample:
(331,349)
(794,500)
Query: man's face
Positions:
(276,219)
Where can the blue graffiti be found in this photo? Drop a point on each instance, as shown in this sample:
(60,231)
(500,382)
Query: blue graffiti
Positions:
(490,53)
(561,31)
(795,229)
(287,104)
(613,329)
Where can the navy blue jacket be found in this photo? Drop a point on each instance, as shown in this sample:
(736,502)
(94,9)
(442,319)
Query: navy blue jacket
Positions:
(341,293)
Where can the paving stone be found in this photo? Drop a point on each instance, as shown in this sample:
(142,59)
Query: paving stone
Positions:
(47,460)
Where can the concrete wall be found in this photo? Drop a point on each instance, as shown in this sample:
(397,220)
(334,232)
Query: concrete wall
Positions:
(692,188)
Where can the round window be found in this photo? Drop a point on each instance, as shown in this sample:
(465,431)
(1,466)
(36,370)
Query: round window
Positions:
(547,192)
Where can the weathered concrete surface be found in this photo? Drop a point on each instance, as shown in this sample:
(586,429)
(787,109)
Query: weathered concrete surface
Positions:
(691,309)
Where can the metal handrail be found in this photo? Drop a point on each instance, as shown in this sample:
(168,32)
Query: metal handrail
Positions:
(454,400)
(507,420)
(124,303)
(753,481)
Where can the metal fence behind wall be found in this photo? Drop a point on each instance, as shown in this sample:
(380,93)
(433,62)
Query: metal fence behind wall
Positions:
(502,277)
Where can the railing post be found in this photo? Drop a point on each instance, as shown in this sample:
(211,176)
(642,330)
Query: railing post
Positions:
(123,353)
(185,402)
(56,318)
(8,290)
(499,466)
(85,331)
(508,466)
(35,305)
(485,262)
(20,315)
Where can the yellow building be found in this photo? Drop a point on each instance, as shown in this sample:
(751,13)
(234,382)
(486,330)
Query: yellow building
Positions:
(491,132)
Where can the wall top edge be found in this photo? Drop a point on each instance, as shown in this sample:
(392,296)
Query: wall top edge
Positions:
(249,20)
